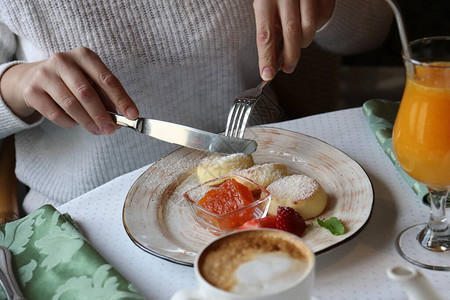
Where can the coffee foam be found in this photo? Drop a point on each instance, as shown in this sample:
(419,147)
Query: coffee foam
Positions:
(255,262)
(268,273)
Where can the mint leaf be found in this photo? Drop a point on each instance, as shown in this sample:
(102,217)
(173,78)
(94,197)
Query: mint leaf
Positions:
(333,225)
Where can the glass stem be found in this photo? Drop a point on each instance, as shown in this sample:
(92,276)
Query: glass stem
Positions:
(436,235)
(438,220)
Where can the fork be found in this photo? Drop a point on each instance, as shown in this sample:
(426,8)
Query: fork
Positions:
(243,105)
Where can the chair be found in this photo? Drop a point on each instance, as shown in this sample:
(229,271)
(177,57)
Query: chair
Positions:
(9,208)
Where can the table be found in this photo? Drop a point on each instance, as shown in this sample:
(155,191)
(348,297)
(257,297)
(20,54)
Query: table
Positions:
(354,270)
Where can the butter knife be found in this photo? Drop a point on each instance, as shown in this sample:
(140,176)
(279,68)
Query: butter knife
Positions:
(187,136)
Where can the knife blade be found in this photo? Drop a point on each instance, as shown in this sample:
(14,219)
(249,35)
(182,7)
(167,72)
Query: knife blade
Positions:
(187,136)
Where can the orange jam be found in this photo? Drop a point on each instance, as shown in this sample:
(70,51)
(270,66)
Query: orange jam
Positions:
(226,201)
(229,196)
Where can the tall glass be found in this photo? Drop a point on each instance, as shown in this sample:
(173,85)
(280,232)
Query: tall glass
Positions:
(421,141)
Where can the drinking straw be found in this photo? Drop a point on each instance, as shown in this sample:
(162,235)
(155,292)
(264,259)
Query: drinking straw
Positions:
(401,28)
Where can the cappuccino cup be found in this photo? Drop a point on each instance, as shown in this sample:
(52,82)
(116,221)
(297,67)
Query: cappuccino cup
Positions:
(257,264)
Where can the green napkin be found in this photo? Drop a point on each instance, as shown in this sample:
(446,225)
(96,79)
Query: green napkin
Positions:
(52,260)
(381,116)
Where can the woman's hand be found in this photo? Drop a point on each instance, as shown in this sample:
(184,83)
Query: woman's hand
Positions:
(293,21)
(68,88)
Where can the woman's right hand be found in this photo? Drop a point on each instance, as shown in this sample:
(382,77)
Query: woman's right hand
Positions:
(294,21)
(68,88)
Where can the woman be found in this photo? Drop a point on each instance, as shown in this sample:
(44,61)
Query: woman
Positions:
(65,63)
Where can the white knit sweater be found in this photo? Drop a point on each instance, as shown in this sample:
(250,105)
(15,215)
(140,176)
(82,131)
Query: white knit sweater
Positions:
(179,60)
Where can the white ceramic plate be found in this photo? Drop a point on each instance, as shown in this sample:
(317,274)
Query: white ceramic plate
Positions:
(157,219)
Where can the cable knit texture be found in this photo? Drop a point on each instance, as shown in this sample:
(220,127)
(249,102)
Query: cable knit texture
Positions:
(180,61)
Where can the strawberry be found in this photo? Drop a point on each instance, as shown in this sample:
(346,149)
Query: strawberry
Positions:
(288,219)
(267,222)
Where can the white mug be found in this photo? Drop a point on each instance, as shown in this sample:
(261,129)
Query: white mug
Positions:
(298,286)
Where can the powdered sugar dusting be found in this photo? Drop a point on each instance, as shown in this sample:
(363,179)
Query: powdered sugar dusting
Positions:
(294,188)
(264,174)
(169,167)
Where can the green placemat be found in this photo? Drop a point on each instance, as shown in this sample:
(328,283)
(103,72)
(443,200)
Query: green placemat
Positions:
(381,116)
(52,260)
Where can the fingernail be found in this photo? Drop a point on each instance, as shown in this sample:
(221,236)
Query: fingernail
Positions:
(109,128)
(267,73)
(288,69)
(131,113)
(96,130)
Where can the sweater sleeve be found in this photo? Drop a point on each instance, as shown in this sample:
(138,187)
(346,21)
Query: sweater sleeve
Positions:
(9,122)
(355,26)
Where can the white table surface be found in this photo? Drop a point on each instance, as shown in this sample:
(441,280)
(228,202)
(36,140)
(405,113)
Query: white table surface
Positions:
(354,270)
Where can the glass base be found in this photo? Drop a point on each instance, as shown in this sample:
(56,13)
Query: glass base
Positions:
(409,247)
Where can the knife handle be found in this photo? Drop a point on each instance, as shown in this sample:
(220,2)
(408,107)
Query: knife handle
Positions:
(122,121)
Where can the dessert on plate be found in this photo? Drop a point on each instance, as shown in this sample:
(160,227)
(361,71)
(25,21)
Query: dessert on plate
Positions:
(217,165)
(264,174)
(301,192)
(238,180)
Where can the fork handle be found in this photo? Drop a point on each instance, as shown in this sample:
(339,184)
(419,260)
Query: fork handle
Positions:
(263,84)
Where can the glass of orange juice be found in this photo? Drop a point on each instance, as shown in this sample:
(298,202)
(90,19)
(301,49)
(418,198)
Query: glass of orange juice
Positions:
(421,141)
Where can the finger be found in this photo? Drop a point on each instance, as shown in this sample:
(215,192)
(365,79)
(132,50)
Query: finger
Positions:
(309,20)
(266,37)
(44,104)
(105,79)
(109,105)
(61,94)
(292,33)
(80,87)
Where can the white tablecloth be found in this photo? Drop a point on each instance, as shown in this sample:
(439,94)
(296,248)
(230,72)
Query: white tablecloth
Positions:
(354,270)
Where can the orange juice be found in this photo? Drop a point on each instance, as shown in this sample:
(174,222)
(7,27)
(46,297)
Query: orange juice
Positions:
(421,136)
